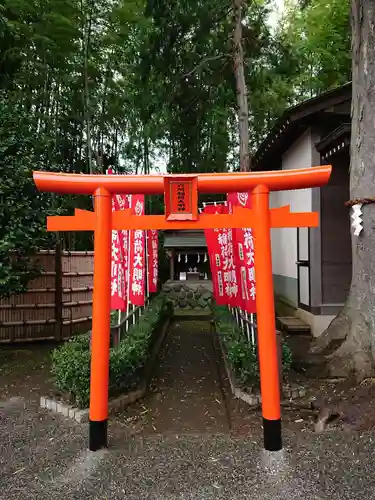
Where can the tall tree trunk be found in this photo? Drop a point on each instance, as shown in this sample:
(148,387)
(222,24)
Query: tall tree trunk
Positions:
(146,153)
(87,104)
(354,328)
(241,89)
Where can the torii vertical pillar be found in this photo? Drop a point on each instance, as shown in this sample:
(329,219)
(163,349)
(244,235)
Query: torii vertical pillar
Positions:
(267,344)
(100,338)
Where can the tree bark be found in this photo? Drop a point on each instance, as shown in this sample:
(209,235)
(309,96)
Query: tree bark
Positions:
(87,104)
(241,89)
(349,341)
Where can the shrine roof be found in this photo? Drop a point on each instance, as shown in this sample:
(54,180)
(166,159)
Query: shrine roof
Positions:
(184,239)
(329,109)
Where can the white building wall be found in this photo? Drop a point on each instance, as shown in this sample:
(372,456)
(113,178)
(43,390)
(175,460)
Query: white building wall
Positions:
(284,241)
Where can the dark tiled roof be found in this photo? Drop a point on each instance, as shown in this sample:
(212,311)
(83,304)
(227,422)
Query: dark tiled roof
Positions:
(184,239)
(293,122)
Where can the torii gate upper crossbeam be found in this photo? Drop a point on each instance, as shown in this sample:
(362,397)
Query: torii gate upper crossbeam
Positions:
(207,183)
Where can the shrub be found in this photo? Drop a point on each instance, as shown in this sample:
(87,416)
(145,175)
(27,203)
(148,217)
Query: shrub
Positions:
(242,355)
(71,367)
(71,360)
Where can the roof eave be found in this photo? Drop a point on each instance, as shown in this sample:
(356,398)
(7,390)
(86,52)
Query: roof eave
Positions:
(294,115)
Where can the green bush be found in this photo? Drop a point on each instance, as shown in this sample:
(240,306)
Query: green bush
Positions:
(71,360)
(241,355)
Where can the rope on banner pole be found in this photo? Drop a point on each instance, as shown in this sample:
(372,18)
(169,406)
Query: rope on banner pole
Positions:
(248,335)
(237,316)
(133,310)
(253,326)
(240,312)
(252,323)
(118,324)
(244,325)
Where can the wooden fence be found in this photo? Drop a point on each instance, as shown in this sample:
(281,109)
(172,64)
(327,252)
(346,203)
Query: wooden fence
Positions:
(56,305)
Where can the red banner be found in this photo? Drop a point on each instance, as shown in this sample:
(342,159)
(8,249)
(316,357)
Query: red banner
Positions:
(137,252)
(152,260)
(229,265)
(119,257)
(213,236)
(244,256)
(249,258)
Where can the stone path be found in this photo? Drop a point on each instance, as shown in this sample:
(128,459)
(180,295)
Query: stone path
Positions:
(186,394)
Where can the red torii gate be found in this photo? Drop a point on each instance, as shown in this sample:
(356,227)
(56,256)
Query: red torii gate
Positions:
(181,212)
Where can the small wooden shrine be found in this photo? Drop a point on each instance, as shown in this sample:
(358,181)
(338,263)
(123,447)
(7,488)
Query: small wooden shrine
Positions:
(188,258)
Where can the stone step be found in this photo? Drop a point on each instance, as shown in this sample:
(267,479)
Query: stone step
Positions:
(292,325)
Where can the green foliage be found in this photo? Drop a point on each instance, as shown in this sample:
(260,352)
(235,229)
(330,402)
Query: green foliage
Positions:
(22,208)
(136,83)
(320,37)
(309,53)
(71,360)
(241,355)
(71,368)
(287,357)
(154,79)
(188,60)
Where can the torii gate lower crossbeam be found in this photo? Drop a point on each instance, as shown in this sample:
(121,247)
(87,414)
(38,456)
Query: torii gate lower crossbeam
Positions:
(181,212)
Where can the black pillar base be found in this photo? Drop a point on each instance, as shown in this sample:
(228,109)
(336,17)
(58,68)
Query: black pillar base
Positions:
(98,434)
(272,435)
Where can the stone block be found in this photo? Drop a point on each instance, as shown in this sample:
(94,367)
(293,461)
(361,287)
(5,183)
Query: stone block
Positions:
(72,412)
(192,302)
(51,404)
(295,393)
(65,409)
(250,399)
(287,392)
(302,392)
(81,416)
(59,407)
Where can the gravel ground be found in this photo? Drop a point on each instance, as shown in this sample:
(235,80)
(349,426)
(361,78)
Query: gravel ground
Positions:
(46,457)
(25,370)
(183,448)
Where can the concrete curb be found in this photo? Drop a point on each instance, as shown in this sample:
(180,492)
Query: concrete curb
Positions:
(116,404)
(253,400)
(65,409)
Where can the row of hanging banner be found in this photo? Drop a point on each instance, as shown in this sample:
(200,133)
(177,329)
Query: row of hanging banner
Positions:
(134,256)
(231,255)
